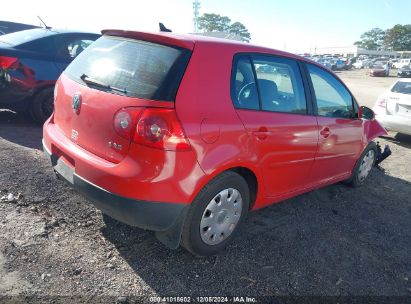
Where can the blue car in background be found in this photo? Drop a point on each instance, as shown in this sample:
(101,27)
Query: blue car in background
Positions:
(338,65)
(325,63)
(30,63)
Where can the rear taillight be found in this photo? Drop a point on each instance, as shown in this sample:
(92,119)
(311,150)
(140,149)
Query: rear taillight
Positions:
(382,102)
(161,129)
(56,88)
(125,122)
(7,62)
(152,127)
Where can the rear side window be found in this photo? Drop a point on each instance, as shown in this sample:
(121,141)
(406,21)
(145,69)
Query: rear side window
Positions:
(243,87)
(44,45)
(133,67)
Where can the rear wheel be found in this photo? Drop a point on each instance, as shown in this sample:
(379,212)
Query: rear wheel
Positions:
(215,214)
(364,165)
(42,105)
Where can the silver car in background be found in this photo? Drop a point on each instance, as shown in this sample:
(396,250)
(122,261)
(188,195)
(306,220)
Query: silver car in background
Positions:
(393,108)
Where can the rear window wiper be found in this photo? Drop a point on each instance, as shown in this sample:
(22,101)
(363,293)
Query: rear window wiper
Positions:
(95,82)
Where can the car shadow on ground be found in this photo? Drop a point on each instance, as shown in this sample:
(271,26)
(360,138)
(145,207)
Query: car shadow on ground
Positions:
(402,140)
(19,129)
(333,241)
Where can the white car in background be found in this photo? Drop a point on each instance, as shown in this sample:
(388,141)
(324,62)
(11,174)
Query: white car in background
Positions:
(362,64)
(393,108)
(401,63)
(359,64)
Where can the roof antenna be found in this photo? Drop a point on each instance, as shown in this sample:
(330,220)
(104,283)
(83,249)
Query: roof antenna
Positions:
(45,25)
(163,28)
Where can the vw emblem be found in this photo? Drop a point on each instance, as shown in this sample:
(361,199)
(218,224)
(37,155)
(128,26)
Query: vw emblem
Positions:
(76,103)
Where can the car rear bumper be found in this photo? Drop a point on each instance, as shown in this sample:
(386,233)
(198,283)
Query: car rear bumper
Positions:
(144,173)
(394,122)
(154,216)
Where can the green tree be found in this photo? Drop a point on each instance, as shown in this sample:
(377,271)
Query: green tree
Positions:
(214,23)
(240,30)
(398,38)
(371,40)
(218,23)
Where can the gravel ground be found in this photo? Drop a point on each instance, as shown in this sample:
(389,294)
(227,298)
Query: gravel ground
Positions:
(336,241)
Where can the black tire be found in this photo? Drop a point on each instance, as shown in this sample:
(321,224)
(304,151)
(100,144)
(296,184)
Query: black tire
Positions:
(191,238)
(42,105)
(355,180)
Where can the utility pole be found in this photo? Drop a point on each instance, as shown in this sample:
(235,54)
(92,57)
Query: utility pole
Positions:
(196,14)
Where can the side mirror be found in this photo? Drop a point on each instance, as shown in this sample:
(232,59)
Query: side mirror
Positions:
(366,113)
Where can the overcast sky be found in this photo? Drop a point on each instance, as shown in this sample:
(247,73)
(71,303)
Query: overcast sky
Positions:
(293,25)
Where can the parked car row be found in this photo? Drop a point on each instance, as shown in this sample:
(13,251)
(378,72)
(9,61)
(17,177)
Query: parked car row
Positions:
(30,63)
(334,63)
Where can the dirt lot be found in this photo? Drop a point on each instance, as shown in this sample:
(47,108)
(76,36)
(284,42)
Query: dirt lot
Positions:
(336,241)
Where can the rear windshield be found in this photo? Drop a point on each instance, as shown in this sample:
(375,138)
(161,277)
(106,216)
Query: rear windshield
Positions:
(21,37)
(129,67)
(402,87)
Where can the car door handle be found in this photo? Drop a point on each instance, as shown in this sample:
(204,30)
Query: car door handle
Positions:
(262,133)
(325,132)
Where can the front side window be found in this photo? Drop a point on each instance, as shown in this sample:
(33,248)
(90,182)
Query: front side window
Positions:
(332,98)
(268,83)
(280,85)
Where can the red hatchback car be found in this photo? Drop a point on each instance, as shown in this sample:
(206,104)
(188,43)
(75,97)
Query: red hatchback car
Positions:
(183,135)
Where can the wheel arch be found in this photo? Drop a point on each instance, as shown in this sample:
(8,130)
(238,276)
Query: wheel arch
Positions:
(32,105)
(41,88)
(371,144)
(250,175)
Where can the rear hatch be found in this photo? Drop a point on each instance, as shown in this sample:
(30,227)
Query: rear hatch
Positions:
(399,100)
(103,90)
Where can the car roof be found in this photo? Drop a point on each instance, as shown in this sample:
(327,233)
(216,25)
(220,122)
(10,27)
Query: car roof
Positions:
(53,31)
(22,37)
(404,80)
(70,31)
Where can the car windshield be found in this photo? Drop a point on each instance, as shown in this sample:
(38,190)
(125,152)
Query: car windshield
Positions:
(21,37)
(402,87)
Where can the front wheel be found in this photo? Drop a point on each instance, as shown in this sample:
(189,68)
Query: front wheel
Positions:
(215,214)
(364,165)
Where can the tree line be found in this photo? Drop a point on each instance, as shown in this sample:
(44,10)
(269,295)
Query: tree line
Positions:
(218,23)
(397,38)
